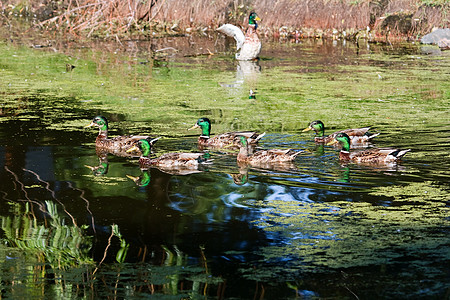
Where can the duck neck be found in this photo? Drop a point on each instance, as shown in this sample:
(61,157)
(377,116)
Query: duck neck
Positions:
(243,153)
(251,29)
(206,129)
(345,145)
(103,132)
(344,155)
(146,161)
(320,132)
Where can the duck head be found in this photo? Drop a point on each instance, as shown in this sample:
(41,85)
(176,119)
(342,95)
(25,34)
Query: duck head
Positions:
(205,125)
(343,139)
(143,146)
(317,126)
(252,19)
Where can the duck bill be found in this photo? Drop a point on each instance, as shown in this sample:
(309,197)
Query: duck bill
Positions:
(332,142)
(193,127)
(257,18)
(307,129)
(133,178)
(90,167)
(132,149)
(90,125)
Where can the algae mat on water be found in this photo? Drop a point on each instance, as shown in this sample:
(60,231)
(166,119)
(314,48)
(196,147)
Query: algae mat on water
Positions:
(407,91)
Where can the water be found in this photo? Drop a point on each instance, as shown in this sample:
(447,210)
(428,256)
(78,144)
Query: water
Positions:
(319,228)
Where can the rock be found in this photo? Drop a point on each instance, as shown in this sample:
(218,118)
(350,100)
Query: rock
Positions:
(440,37)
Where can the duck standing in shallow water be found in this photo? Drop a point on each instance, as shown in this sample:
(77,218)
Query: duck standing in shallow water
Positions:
(168,161)
(228,139)
(248,44)
(119,144)
(368,156)
(357,135)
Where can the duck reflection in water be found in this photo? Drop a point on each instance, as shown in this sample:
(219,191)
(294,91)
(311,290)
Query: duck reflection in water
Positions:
(103,165)
(240,178)
(247,76)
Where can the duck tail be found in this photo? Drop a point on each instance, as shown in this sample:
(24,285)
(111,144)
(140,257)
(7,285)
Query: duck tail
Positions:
(370,137)
(259,137)
(293,155)
(400,153)
(152,141)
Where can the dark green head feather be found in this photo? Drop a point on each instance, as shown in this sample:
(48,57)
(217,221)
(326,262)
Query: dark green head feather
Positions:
(344,140)
(144,146)
(253,18)
(205,124)
(101,122)
(318,127)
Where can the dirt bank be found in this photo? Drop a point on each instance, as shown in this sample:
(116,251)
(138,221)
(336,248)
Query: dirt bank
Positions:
(373,19)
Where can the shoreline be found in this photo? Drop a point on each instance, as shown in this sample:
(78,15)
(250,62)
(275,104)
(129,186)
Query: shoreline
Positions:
(377,21)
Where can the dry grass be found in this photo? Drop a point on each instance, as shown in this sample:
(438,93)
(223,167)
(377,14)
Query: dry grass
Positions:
(112,17)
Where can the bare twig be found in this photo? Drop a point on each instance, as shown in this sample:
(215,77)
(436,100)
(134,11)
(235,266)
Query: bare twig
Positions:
(53,194)
(104,253)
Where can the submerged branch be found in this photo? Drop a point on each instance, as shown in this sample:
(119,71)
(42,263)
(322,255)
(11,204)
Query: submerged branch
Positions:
(53,194)
(105,253)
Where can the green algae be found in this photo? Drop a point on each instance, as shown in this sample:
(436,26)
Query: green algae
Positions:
(386,213)
(348,234)
(410,91)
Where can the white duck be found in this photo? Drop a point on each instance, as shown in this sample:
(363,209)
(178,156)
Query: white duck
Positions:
(249,44)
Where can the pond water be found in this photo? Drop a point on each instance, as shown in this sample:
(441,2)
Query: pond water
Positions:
(318,229)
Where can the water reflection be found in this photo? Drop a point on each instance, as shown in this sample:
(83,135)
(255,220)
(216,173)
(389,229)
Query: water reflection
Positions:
(230,230)
(247,77)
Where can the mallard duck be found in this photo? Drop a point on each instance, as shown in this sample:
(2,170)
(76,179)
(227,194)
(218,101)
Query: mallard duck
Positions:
(118,144)
(264,157)
(225,139)
(368,156)
(249,44)
(357,135)
(168,160)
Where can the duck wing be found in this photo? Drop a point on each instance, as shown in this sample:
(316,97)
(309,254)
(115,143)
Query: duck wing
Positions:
(378,155)
(186,160)
(234,32)
(232,138)
(273,156)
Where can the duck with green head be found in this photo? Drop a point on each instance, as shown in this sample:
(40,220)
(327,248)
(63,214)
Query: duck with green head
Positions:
(168,161)
(248,44)
(368,156)
(264,157)
(357,135)
(119,144)
(228,139)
